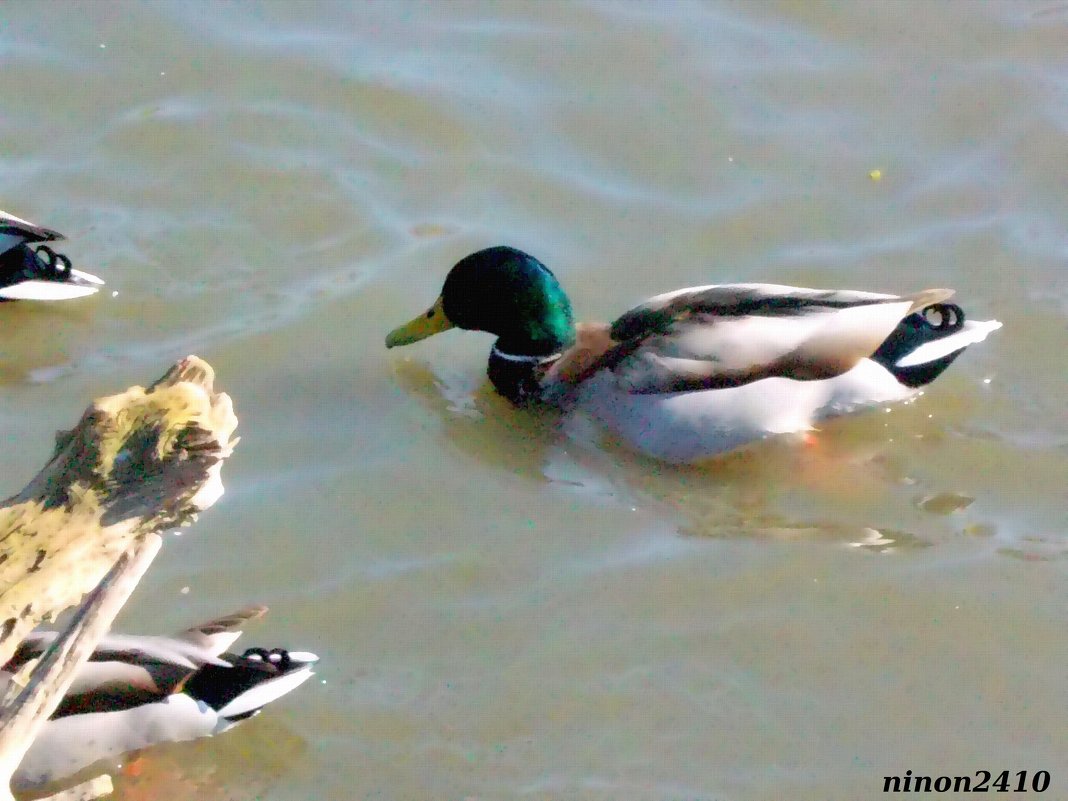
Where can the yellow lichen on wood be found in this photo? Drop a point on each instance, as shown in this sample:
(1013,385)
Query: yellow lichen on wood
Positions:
(140,461)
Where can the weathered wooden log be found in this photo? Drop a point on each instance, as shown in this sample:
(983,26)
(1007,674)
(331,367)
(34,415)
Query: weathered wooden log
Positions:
(139,462)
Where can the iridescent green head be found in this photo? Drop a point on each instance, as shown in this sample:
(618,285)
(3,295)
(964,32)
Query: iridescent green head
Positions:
(503,291)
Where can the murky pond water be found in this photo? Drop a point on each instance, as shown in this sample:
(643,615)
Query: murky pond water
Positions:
(506,607)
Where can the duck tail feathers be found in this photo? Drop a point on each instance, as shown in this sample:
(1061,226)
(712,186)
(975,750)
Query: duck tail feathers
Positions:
(43,274)
(926,342)
(10,225)
(216,635)
(928,297)
(47,290)
(971,332)
(250,682)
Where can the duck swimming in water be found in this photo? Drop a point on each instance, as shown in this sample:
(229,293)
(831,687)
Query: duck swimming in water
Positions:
(139,691)
(702,370)
(37,273)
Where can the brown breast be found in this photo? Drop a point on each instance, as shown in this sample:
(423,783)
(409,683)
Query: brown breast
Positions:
(593,344)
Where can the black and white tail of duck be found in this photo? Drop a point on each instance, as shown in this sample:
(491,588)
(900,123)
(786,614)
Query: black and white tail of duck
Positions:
(137,692)
(250,682)
(39,273)
(926,342)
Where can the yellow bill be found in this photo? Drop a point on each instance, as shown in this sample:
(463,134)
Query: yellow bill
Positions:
(433,321)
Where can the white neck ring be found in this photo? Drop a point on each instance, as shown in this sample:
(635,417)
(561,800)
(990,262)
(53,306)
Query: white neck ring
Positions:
(511,357)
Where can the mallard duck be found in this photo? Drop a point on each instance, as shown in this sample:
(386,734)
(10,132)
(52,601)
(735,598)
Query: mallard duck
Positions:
(700,370)
(138,691)
(37,273)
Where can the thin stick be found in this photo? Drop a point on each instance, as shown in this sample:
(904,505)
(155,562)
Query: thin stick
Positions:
(22,719)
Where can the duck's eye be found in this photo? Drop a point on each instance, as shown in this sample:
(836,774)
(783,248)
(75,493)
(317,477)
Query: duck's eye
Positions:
(430,314)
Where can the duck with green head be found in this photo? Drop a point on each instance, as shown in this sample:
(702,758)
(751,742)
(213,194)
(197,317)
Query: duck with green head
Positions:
(700,370)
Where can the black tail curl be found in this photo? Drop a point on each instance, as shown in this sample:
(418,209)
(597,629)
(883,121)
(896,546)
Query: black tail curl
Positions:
(217,686)
(927,325)
(51,265)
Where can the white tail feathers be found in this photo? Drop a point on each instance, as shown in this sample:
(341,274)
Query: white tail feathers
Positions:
(971,332)
(46,290)
(267,691)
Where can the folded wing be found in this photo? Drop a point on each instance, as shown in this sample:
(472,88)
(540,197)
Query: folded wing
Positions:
(727,335)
